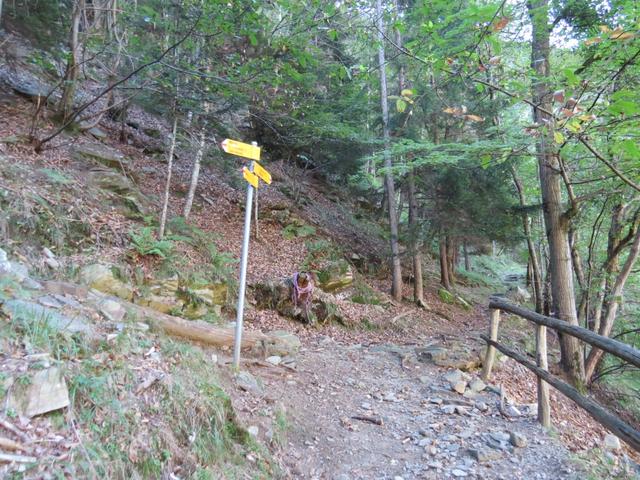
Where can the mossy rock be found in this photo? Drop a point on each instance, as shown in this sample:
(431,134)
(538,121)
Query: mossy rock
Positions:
(335,275)
(134,203)
(446,296)
(101,155)
(102,278)
(452,299)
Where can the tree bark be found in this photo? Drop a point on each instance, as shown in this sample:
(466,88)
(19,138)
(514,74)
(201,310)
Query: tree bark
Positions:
(465,250)
(416,248)
(536,275)
(396,285)
(72,70)
(595,355)
(444,264)
(451,259)
(557,224)
(167,186)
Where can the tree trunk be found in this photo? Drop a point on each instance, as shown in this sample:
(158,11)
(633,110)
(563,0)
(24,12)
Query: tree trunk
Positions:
(536,275)
(465,250)
(73,70)
(451,259)
(167,186)
(418,288)
(444,264)
(595,355)
(396,285)
(195,173)
(556,222)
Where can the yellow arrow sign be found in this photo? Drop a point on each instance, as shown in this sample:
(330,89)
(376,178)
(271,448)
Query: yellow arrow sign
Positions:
(262,173)
(240,149)
(250,177)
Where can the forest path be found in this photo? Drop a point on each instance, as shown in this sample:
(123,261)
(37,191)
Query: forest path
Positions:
(426,432)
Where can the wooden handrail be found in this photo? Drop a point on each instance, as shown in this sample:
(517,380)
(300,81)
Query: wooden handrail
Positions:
(600,414)
(614,347)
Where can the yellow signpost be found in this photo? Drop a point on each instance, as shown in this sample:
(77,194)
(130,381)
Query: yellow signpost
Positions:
(262,173)
(241,149)
(252,175)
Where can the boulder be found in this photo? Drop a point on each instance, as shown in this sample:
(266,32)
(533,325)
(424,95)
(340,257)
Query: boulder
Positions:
(518,295)
(161,303)
(457,356)
(47,392)
(281,343)
(611,442)
(276,295)
(126,192)
(102,278)
(177,296)
(335,275)
(101,155)
(27,311)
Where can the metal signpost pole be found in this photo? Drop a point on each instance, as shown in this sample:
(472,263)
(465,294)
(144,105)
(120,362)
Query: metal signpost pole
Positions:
(243,274)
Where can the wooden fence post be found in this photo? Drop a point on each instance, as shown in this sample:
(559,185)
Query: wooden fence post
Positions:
(490,356)
(544,412)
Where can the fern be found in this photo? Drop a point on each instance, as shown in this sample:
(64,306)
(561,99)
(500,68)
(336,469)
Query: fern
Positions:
(145,243)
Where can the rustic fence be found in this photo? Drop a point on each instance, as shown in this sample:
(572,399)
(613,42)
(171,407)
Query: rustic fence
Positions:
(541,369)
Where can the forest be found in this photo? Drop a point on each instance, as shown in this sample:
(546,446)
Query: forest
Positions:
(461,132)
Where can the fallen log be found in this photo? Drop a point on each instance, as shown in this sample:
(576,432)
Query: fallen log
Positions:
(272,343)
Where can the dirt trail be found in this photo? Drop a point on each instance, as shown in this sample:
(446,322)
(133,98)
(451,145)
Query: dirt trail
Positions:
(420,437)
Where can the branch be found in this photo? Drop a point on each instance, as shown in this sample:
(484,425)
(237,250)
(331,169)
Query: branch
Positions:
(82,108)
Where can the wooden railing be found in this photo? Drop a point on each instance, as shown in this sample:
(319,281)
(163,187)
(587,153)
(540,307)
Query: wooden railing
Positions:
(541,368)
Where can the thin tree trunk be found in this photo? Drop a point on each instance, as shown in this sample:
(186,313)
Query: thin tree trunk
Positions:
(556,221)
(444,264)
(465,250)
(451,259)
(396,285)
(418,288)
(195,173)
(72,71)
(167,186)
(536,274)
(595,355)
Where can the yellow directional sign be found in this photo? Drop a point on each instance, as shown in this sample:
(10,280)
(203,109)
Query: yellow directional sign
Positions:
(241,149)
(250,177)
(262,173)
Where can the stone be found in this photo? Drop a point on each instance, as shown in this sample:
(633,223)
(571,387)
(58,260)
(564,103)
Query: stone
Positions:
(282,343)
(518,295)
(48,253)
(459,387)
(335,276)
(102,278)
(47,391)
(248,383)
(477,385)
(99,154)
(49,301)
(52,263)
(483,455)
(126,195)
(456,472)
(512,411)
(97,133)
(448,409)
(26,311)
(253,431)
(517,439)
(112,310)
(611,442)
(424,442)
(163,304)
(274,359)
